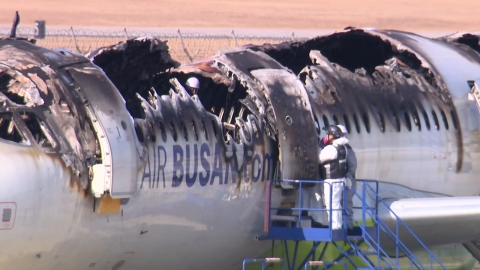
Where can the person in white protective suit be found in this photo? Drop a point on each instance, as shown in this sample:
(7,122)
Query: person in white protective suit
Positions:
(351,182)
(312,197)
(334,164)
(193,85)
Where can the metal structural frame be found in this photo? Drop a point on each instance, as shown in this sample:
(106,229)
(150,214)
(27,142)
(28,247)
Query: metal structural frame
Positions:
(288,227)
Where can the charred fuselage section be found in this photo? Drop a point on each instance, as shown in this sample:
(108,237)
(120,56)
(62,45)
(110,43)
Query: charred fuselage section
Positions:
(59,103)
(357,78)
(40,106)
(362,79)
(231,108)
(253,115)
(357,75)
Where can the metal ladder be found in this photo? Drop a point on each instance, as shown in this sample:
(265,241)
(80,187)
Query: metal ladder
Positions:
(366,246)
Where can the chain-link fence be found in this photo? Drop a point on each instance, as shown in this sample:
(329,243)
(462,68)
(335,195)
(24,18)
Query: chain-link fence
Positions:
(198,46)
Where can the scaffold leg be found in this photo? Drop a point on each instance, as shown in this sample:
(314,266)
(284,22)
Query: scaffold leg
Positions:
(342,252)
(311,254)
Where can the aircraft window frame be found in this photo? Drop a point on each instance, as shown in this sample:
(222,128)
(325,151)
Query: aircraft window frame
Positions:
(256,128)
(163,132)
(335,120)
(398,125)
(195,132)
(39,130)
(152,131)
(205,133)
(347,123)
(6,214)
(185,131)
(408,122)
(416,120)
(425,118)
(444,118)
(366,121)
(173,131)
(382,122)
(326,123)
(214,126)
(139,132)
(454,119)
(21,138)
(355,121)
(392,115)
(317,130)
(435,120)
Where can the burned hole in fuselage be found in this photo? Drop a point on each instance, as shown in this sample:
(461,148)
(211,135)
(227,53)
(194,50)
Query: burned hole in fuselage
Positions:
(356,50)
(9,130)
(470,40)
(352,50)
(11,87)
(38,129)
(134,67)
(163,132)
(220,99)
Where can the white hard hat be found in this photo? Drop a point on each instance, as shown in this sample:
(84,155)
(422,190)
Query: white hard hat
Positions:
(343,129)
(193,82)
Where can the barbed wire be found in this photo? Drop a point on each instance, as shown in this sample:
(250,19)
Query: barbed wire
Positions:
(184,47)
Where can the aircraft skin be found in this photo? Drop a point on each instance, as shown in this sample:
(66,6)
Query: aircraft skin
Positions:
(190,171)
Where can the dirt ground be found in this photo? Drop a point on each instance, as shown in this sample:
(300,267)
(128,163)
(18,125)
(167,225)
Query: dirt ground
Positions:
(410,15)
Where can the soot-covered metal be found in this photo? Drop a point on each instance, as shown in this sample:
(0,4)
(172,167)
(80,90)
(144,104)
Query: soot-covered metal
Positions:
(40,106)
(250,99)
(355,72)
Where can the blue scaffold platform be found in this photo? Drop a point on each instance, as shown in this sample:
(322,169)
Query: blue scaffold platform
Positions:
(291,224)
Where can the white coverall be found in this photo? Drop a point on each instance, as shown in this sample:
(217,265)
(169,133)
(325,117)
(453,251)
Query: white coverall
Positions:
(312,197)
(333,187)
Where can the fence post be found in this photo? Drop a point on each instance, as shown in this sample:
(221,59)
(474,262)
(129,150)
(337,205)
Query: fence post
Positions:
(76,44)
(234,38)
(126,34)
(75,40)
(293,36)
(185,48)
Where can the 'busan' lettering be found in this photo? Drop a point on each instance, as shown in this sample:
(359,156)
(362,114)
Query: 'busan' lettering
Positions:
(180,166)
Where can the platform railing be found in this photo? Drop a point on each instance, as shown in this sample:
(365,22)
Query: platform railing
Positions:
(384,229)
(301,184)
(264,262)
(372,234)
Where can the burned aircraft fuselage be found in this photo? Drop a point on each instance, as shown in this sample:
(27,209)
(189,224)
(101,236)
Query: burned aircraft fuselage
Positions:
(119,122)
(62,104)
(42,107)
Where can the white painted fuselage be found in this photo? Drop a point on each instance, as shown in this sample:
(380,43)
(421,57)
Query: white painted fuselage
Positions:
(207,218)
